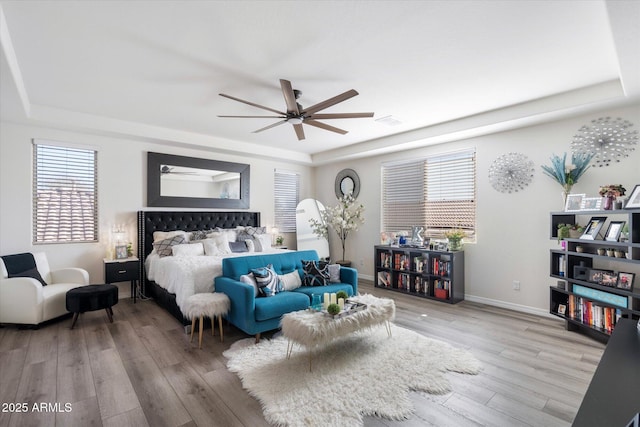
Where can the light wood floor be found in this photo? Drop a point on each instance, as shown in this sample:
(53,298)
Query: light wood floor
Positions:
(142,370)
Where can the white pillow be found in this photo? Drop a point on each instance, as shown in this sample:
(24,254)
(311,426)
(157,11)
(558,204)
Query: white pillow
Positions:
(262,242)
(188,249)
(212,247)
(250,280)
(251,247)
(163,235)
(290,281)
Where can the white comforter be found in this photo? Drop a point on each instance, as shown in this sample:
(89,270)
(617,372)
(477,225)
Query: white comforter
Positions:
(188,275)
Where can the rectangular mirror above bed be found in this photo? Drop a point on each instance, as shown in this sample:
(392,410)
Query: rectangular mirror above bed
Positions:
(189,182)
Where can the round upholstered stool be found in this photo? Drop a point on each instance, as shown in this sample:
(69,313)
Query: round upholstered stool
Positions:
(91,298)
(209,305)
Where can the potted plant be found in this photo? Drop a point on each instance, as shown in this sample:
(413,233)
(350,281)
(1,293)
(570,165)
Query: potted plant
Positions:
(611,252)
(569,230)
(343,218)
(610,194)
(579,249)
(567,175)
(455,236)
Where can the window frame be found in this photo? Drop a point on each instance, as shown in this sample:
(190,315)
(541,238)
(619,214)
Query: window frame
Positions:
(419,211)
(54,163)
(285,216)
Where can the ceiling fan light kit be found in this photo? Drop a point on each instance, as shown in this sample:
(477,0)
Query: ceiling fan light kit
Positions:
(297,115)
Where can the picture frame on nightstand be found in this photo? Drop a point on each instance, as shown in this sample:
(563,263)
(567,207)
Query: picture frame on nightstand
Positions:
(121,252)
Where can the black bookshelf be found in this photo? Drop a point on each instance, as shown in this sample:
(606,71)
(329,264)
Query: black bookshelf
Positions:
(420,272)
(586,304)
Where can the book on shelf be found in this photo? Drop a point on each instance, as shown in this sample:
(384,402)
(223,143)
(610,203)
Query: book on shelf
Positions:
(404,282)
(593,314)
(384,279)
(419,285)
(385,260)
(440,267)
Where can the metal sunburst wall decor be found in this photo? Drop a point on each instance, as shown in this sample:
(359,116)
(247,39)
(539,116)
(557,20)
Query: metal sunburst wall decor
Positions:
(511,172)
(609,140)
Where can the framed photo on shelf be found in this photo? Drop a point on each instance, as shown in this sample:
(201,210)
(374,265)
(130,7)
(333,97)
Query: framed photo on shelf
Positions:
(591,204)
(625,281)
(121,252)
(614,230)
(574,202)
(595,276)
(634,198)
(593,229)
(609,278)
(562,309)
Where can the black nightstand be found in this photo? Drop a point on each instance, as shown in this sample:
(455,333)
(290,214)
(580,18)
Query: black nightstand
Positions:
(122,270)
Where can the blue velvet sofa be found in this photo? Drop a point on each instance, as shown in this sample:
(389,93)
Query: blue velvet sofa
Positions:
(255,315)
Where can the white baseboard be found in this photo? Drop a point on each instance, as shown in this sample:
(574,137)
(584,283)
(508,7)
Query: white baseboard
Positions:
(493,302)
(510,306)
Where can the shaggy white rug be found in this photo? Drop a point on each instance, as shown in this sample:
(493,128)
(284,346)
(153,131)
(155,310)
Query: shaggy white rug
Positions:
(366,373)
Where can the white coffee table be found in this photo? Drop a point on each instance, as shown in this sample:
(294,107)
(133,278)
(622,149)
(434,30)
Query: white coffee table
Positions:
(313,329)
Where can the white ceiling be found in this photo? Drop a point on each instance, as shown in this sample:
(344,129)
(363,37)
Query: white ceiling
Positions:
(444,69)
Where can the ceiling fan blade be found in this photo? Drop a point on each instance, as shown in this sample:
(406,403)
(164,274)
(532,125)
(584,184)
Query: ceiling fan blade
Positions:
(289,97)
(256,117)
(331,101)
(324,126)
(299,131)
(340,116)
(270,126)
(252,104)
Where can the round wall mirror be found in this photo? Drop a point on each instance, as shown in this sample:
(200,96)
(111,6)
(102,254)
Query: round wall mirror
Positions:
(347,181)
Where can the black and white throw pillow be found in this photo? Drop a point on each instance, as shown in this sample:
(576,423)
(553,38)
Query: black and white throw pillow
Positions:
(316,273)
(268,281)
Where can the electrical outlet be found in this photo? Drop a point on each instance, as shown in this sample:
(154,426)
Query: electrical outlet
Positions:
(516,285)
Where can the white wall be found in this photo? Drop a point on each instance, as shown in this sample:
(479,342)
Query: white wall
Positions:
(121,191)
(513,229)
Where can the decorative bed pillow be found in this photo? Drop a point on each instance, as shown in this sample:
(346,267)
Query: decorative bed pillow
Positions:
(33,273)
(164,235)
(221,240)
(163,247)
(211,248)
(290,281)
(334,273)
(249,232)
(188,249)
(238,247)
(251,247)
(231,233)
(198,235)
(268,281)
(262,242)
(316,273)
(250,280)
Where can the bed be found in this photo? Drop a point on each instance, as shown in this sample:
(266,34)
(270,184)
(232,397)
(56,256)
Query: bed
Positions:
(193,273)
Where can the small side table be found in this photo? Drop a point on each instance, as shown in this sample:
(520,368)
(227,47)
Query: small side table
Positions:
(122,270)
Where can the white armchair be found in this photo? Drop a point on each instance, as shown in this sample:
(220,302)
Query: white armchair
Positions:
(24,300)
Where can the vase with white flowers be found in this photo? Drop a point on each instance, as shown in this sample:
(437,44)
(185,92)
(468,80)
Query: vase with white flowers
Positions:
(567,175)
(343,218)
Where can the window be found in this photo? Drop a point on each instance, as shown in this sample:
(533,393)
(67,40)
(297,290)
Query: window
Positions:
(286,197)
(65,195)
(437,192)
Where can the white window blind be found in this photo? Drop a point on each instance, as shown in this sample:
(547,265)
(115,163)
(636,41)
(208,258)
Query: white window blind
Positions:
(65,194)
(286,196)
(436,192)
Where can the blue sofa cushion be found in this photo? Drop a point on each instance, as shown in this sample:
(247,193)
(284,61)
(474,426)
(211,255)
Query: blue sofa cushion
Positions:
(279,304)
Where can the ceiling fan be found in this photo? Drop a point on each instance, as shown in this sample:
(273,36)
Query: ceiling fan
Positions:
(165,170)
(297,115)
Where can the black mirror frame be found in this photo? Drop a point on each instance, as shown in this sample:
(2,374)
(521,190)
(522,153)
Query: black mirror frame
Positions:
(154,198)
(343,174)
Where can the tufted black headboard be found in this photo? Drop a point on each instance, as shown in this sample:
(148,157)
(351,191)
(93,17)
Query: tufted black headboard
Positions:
(150,221)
